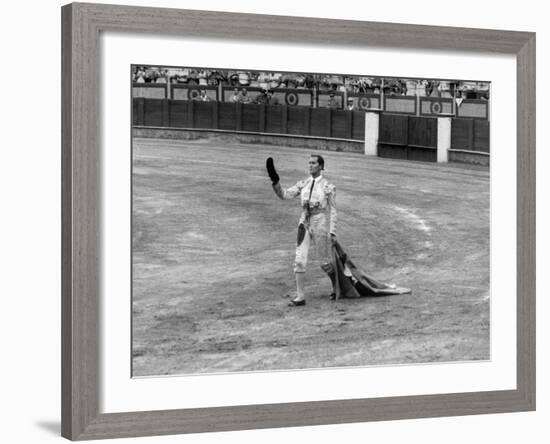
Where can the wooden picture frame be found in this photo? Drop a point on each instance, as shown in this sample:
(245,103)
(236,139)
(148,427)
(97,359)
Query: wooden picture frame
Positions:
(81,168)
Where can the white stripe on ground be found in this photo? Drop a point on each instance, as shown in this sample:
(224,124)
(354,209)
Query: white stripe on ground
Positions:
(419,223)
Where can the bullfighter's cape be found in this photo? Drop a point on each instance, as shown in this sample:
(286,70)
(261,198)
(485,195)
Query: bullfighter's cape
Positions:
(351,282)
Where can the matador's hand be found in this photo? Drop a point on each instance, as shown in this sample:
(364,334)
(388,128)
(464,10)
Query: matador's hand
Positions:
(271,171)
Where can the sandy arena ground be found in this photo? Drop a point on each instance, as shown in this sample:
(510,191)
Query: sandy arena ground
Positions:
(213,249)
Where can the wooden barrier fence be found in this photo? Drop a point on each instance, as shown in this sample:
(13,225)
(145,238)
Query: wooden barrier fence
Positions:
(390,103)
(401,136)
(408,137)
(243,117)
(470,135)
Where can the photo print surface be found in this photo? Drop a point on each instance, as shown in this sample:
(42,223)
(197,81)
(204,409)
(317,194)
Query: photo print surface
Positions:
(285,221)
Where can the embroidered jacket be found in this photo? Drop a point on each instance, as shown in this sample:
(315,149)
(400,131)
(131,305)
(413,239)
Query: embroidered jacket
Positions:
(317,199)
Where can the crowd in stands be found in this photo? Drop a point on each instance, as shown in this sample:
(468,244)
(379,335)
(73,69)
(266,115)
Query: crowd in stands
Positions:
(264,97)
(268,81)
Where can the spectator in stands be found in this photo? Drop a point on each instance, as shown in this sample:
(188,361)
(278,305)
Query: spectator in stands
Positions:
(300,81)
(244,78)
(204,97)
(332,102)
(193,78)
(163,76)
(275,79)
(263,80)
(460,97)
(215,78)
(410,87)
(182,75)
(368,85)
(233,79)
(171,74)
(289,80)
(444,88)
(482,90)
(244,97)
(469,90)
(261,98)
(202,77)
(351,104)
(433,88)
(361,85)
(394,87)
(352,85)
(151,75)
(139,76)
(254,80)
(236,96)
(271,99)
(421,88)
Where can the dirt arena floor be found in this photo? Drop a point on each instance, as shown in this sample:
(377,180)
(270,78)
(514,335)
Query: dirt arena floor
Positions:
(213,249)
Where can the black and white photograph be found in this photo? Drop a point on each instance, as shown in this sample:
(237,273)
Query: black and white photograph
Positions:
(275,222)
(300,220)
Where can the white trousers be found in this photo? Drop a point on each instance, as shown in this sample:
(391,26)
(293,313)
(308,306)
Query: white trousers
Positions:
(313,231)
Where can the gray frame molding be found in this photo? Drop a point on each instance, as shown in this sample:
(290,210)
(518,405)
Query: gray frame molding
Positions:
(81,25)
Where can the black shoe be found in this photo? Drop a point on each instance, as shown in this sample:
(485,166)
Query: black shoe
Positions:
(332,296)
(297,303)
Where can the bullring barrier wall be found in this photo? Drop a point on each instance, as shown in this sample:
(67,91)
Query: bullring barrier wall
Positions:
(318,98)
(403,135)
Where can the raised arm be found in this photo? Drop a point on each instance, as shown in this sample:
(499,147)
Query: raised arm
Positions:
(289,193)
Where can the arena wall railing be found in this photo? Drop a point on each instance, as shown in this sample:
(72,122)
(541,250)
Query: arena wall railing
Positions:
(401,133)
(317,98)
